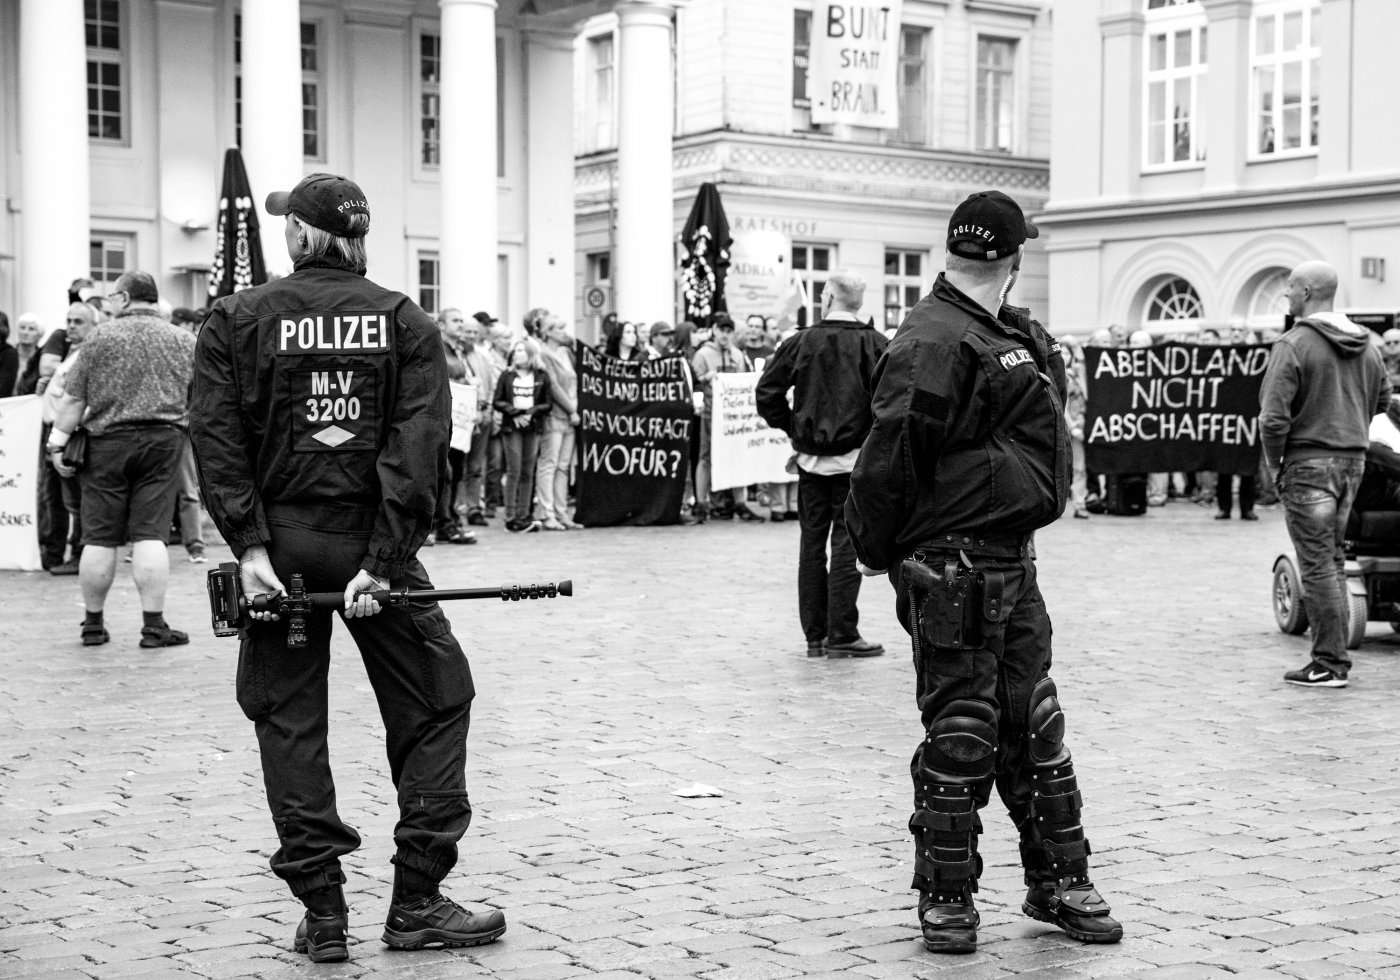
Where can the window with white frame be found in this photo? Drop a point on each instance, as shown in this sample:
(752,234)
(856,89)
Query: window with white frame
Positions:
(106,71)
(904,283)
(913,85)
(429,99)
(813,265)
(602,103)
(1175,92)
(429,282)
(1174,301)
(996,94)
(1285,51)
(312,85)
(109,255)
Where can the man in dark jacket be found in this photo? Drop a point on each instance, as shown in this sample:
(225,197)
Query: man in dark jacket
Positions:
(828,368)
(1324,382)
(968,454)
(319,415)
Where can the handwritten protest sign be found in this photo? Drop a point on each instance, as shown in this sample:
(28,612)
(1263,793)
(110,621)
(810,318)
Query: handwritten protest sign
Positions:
(21,420)
(1173,407)
(743,449)
(854,63)
(634,439)
(464,415)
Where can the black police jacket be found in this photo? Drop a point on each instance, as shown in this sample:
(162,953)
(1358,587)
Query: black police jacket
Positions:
(829,367)
(969,434)
(325,391)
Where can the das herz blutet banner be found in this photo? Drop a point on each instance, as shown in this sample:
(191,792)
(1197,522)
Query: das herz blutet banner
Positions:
(634,439)
(1173,408)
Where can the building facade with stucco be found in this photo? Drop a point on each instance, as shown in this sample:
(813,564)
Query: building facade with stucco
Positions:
(1202,148)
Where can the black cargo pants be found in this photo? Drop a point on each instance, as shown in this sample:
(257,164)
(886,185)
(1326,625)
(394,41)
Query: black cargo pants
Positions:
(974,695)
(421,680)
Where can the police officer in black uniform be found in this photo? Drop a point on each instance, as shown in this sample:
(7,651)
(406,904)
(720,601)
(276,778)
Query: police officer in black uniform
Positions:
(319,416)
(967,456)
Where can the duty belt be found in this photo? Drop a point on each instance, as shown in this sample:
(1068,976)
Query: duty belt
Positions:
(983,545)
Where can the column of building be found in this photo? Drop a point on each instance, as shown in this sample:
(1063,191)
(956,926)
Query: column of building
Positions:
(644,265)
(549,137)
(54,195)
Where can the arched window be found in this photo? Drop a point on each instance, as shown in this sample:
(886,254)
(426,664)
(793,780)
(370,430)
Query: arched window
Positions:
(1270,300)
(1175,299)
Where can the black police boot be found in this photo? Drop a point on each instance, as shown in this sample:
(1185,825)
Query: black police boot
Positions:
(420,915)
(949,921)
(322,931)
(1055,856)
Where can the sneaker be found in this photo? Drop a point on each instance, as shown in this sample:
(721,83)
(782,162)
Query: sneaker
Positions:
(745,513)
(570,524)
(514,526)
(1081,514)
(1080,911)
(67,568)
(1315,675)
(553,524)
(322,937)
(439,921)
(476,519)
(529,525)
(949,922)
(1249,515)
(197,556)
(854,648)
(162,636)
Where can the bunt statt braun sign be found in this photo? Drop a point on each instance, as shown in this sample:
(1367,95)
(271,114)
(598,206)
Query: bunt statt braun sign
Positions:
(854,63)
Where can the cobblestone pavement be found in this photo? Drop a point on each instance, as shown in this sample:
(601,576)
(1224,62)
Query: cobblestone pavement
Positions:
(1240,826)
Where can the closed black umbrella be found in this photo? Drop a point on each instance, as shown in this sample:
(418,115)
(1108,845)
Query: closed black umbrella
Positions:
(238,258)
(705,239)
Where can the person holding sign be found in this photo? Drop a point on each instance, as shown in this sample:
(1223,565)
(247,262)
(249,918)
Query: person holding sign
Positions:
(320,414)
(1324,382)
(829,369)
(968,455)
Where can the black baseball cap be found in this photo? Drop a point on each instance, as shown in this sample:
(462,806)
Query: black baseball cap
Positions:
(323,201)
(987,226)
(484,318)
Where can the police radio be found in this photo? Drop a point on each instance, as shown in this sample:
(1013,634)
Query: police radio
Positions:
(229,607)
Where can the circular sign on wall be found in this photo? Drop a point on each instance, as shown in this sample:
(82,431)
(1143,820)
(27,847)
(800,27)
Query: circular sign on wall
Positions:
(594,299)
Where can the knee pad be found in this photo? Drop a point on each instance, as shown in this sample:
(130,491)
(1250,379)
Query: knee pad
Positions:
(1046,726)
(961,742)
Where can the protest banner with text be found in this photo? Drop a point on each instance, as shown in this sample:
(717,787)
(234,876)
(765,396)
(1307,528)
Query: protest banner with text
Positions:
(1173,407)
(853,74)
(743,448)
(634,439)
(21,421)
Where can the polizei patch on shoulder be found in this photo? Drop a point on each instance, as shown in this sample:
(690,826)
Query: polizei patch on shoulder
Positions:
(1014,357)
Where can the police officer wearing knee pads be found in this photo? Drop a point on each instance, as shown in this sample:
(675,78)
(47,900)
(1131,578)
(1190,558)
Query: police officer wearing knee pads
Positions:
(319,416)
(968,455)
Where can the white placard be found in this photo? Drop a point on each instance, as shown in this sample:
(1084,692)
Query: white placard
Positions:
(758,275)
(853,73)
(743,449)
(464,415)
(21,422)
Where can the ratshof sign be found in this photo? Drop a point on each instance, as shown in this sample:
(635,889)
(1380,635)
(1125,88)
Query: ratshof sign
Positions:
(854,63)
(1173,407)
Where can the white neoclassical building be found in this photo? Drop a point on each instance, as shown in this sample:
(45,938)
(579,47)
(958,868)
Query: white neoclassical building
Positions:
(516,153)
(1204,147)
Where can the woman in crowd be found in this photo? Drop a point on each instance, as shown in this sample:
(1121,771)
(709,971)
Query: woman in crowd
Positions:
(9,360)
(523,399)
(624,344)
(445,524)
(1074,415)
(28,329)
(560,426)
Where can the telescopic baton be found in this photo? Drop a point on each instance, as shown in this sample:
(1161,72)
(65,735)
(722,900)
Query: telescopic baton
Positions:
(229,607)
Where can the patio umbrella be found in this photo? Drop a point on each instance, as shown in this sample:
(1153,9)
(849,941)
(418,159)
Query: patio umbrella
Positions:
(705,241)
(238,258)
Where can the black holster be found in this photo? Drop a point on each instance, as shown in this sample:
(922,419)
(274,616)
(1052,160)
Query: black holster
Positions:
(952,606)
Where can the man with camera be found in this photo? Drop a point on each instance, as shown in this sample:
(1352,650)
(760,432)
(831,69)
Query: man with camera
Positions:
(968,455)
(320,415)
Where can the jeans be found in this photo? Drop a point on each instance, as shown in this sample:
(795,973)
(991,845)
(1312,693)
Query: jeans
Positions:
(1079,485)
(552,471)
(54,522)
(421,681)
(187,502)
(1317,494)
(520,446)
(826,600)
(495,470)
(475,479)
(1225,492)
(445,516)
